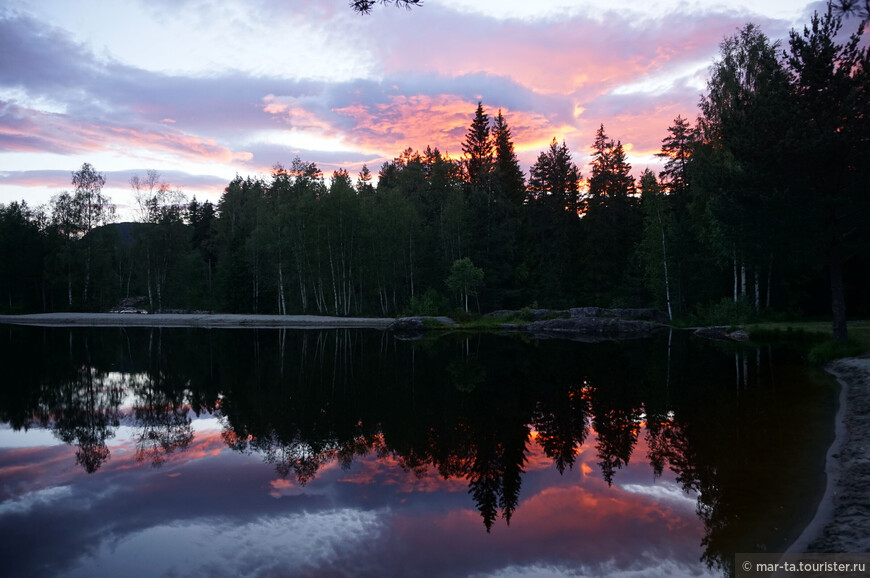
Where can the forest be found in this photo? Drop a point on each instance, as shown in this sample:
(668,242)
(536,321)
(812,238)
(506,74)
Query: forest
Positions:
(761,209)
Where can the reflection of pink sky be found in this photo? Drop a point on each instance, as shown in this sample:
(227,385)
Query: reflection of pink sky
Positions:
(57,462)
(578,499)
(573,518)
(369,469)
(387,471)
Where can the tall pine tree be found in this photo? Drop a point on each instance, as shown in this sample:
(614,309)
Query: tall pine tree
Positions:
(477,148)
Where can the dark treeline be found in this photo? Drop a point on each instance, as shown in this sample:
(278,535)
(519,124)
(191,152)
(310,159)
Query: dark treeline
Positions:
(472,409)
(762,206)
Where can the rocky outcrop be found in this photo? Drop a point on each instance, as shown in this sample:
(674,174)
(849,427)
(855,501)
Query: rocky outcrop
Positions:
(721,333)
(415,327)
(592,328)
(528,314)
(578,324)
(652,315)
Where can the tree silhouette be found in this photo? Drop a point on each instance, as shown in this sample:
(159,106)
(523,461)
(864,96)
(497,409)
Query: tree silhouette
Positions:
(365,6)
(87,414)
(859,8)
(465,279)
(830,83)
(478,148)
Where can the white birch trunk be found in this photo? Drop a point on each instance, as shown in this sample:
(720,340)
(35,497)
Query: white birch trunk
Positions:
(735,276)
(665,263)
(282,306)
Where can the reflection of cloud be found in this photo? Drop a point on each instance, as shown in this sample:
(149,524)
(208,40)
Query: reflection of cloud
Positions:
(646,567)
(663,492)
(283,545)
(209,503)
(39,498)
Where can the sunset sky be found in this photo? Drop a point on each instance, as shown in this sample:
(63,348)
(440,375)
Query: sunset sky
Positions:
(201,90)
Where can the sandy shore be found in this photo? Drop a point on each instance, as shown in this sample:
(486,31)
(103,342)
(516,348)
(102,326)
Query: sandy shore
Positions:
(842,521)
(195,320)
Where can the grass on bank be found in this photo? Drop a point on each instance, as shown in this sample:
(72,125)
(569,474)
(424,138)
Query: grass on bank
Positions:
(814,337)
(471,321)
(817,337)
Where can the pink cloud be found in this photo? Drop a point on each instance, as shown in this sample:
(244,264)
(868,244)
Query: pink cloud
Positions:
(29,130)
(409,120)
(574,56)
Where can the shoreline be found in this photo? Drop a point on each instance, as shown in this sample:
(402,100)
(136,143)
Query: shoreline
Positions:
(201,320)
(842,519)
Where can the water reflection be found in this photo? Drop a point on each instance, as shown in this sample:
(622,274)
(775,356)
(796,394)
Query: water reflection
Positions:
(586,447)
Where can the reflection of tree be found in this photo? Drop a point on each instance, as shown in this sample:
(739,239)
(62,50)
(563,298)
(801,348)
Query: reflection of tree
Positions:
(617,431)
(561,422)
(466,374)
(163,421)
(659,433)
(86,410)
(296,455)
(495,476)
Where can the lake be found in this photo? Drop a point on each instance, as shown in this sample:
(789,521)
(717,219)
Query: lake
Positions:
(228,452)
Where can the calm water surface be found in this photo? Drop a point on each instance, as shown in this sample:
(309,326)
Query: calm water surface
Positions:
(190,452)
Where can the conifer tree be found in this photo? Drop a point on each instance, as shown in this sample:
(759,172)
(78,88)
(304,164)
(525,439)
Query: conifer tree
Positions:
(611,179)
(611,223)
(555,179)
(677,149)
(364,181)
(505,216)
(477,148)
(553,194)
(507,175)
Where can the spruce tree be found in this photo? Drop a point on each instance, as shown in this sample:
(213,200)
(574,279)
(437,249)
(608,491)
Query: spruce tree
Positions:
(554,179)
(364,181)
(507,175)
(505,216)
(554,183)
(612,224)
(677,149)
(477,148)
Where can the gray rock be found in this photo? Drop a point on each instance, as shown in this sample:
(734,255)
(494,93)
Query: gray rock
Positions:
(721,333)
(414,327)
(408,328)
(739,335)
(593,328)
(653,315)
(536,314)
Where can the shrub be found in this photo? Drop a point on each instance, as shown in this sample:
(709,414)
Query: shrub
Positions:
(727,312)
(429,303)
